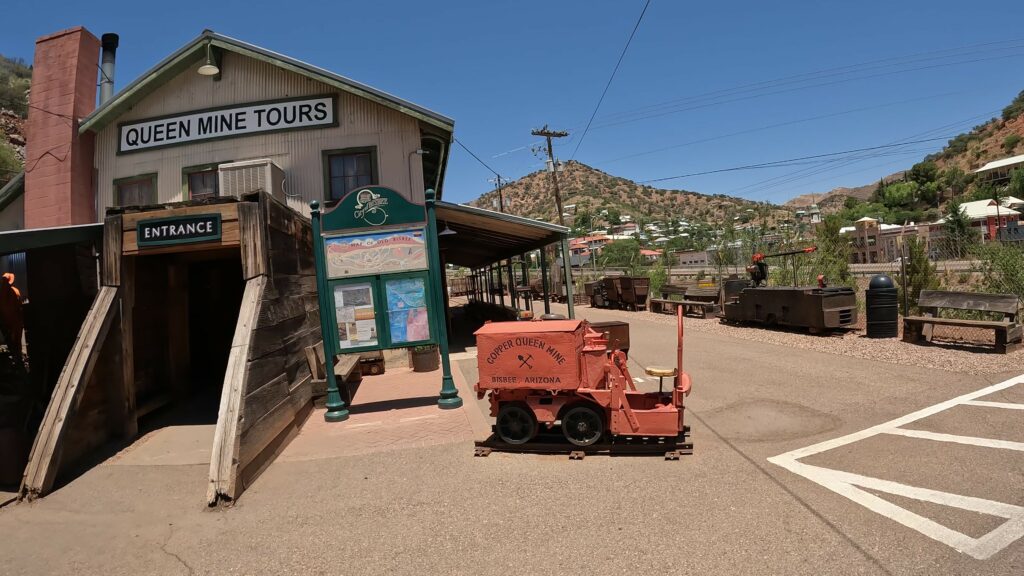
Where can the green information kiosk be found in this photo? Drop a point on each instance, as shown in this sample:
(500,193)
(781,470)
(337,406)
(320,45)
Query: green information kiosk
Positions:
(378,273)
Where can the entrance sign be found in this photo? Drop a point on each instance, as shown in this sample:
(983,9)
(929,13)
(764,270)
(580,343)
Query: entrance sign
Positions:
(178,230)
(227,122)
(381,253)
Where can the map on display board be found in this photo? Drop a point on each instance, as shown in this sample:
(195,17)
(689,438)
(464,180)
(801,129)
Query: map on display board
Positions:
(354,315)
(375,253)
(407,309)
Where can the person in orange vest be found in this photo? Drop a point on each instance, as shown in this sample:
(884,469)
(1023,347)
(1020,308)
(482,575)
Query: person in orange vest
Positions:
(12,320)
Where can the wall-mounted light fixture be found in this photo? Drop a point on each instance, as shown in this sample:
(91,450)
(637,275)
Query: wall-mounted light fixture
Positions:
(210,68)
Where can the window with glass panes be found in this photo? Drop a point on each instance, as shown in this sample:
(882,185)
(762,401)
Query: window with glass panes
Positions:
(135,191)
(350,169)
(202,184)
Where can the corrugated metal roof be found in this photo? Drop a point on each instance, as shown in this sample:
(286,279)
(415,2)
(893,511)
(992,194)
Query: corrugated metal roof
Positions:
(194,50)
(985,208)
(484,236)
(1001,163)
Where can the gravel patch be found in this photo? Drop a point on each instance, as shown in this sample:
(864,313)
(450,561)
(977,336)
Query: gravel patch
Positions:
(955,356)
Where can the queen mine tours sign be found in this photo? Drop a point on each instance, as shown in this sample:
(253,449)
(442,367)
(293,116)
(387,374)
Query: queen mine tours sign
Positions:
(178,230)
(239,120)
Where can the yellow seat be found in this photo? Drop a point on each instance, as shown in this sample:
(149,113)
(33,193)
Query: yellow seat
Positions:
(661,371)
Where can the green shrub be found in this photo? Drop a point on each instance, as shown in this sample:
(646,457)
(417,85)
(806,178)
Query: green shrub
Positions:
(1010,142)
(920,274)
(1016,108)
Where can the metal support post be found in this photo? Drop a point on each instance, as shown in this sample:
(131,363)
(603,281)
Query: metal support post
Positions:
(449,396)
(544,279)
(513,297)
(501,285)
(336,408)
(567,270)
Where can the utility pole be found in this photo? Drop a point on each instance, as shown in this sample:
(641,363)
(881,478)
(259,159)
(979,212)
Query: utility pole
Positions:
(501,199)
(549,134)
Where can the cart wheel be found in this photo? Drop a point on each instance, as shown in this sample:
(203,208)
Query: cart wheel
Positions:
(582,426)
(516,424)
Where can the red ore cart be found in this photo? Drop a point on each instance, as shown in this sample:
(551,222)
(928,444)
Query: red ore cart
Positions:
(561,375)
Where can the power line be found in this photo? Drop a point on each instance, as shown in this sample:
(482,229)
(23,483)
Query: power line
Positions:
(826,73)
(776,125)
(57,114)
(610,78)
(715,97)
(482,163)
(711,103)
(776,181)
(786,162)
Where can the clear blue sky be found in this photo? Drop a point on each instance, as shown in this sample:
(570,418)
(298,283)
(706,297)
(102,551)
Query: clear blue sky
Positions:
(502,68)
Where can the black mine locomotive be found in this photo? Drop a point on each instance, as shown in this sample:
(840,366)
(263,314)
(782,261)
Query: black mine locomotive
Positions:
(817,308)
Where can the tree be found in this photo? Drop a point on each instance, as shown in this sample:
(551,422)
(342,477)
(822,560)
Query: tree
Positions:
(1016,108)
(833,254)
(957,229)
(997,197)
(614,216)
(9,163)
(900,194)
(582,222)
(1016,185)
(955,181)
(850,203)
(621,253)
(920,273)
(923,172)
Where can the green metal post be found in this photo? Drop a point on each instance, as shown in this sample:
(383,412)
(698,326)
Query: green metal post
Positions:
(449,393)
(336,409)
(501,285)
(512,287)
(544,279)
(567,272)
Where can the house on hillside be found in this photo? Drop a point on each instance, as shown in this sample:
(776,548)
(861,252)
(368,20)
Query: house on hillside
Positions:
(691,257)
(587,244)
(990,220)
(998,171)
(650,255)
(872,242)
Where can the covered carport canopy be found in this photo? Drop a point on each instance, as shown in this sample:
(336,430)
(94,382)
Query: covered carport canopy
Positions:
(484,236)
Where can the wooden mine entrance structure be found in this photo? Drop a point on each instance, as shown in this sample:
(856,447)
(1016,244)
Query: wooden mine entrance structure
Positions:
(221,291)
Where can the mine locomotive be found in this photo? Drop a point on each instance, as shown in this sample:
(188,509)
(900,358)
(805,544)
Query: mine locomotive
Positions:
(817,308)
(564,374)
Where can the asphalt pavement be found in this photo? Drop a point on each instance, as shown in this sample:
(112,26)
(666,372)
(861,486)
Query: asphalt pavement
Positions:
(848,489)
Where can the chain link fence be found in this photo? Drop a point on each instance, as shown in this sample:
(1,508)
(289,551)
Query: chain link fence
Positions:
(960,262)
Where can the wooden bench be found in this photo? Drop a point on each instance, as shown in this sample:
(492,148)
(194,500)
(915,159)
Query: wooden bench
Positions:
(347,370)
(662,305)
(701,307)
(1007,331)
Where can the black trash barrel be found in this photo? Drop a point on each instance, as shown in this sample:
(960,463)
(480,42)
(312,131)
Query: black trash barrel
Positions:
(883,311)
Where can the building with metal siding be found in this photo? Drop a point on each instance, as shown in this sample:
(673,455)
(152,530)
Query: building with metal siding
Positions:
(254,75)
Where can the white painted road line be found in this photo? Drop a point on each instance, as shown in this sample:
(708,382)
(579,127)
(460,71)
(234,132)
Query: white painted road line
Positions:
(986,404)
(969,440)
(849,485)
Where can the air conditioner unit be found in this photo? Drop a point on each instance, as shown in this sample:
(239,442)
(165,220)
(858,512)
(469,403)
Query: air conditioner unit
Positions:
(239,178)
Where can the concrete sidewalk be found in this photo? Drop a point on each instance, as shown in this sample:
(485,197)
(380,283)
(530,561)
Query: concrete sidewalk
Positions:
(392,411)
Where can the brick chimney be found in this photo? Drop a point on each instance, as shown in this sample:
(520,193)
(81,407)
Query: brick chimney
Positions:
(58,163)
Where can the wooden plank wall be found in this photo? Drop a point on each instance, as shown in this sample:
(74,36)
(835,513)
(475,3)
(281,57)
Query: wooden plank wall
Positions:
(45,458)
(270,394)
